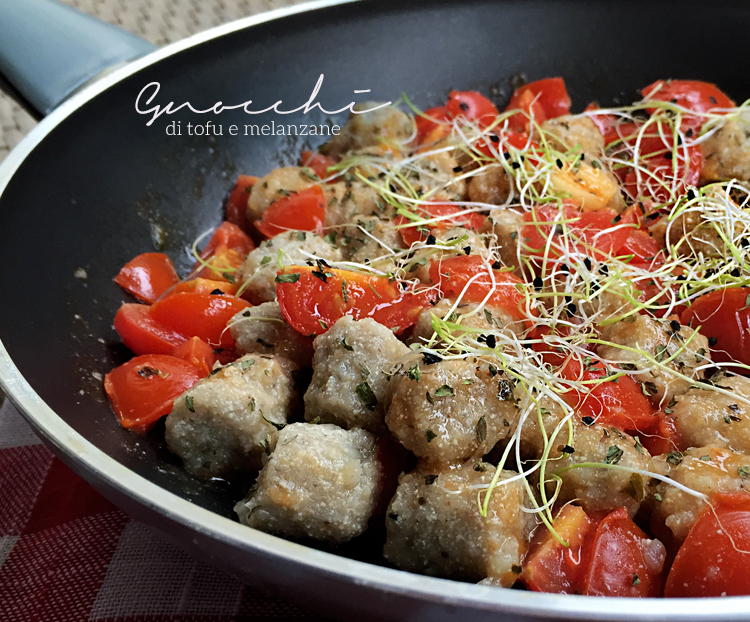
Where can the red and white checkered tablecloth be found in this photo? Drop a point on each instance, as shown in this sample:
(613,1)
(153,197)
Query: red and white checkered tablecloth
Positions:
(68,555)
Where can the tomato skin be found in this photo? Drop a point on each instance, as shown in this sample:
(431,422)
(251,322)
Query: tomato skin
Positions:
(228,235)
(620,404)
(664,438)
(723,315)
(551,567)
(691,94)
(318,162)
(453,273)
(198,353)
(585,225)
(641,245)
(619,550)
(429,130)
(707,564)
(205,286)
(142,333)
(472,106)
(302,211)
(311,300)
(236,208)
(199,315)
(546,99)
(652,148)
(603,122)
(140,399)
(410,235)
(635,215)
(147,276)
(226,251)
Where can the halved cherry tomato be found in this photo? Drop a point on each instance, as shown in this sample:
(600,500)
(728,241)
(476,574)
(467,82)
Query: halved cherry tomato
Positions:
(143,389)
(471,106)
(691,94)
(196,352)
(713,560)
(620,403)
(147,276)
(723,315)
(236,209)
(318,162)
(205,286)
(433,128)
(142,333)
(225,252)
(623,560)
(312,299)
(199,315)
(453,273)
(426,211)
(553,567)
(592,232)
(301,211)
(545,99)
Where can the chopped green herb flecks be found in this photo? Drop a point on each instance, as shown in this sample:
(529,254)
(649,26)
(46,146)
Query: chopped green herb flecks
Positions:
(367,396)
(291,277)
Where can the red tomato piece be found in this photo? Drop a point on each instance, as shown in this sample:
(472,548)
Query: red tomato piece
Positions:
(301,211)
(618,403)
(623,560)
(596,235)
(147,276)
(709,562)
(143,389)
(553,567)
(434,125)
(205,286)
(668,168)
(225,252)
(312,300)
(228,235)
(691,94)
(603,122)
(453,273)
(664,176)
(318,162)
(723,315)
(544,99)
(196,352)
(664,439)
(471,106)
(199,315)
(236,209)
(641,245)
(413,234)
(142,333)
(635,215)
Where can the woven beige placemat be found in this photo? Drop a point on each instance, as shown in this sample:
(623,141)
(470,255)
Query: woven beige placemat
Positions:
(159,21)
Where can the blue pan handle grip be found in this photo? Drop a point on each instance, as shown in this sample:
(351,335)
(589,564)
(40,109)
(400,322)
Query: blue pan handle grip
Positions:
(48,50)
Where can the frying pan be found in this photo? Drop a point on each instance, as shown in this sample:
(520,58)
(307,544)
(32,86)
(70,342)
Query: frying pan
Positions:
(93,185)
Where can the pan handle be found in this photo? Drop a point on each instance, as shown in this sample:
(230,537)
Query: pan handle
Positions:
(48,50)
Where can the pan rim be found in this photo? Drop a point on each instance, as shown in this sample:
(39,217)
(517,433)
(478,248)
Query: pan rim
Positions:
(88,458)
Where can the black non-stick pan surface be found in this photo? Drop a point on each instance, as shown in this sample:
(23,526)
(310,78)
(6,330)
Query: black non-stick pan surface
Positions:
(102,187)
